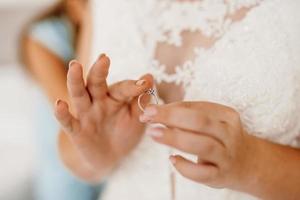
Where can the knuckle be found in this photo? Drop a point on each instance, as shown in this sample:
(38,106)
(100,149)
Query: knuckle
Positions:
(223,129)
(202,120)
(234,116)
(208,148)
(187,104)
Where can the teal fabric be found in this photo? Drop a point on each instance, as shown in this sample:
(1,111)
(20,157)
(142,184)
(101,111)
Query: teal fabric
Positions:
(53,181)
(57,35)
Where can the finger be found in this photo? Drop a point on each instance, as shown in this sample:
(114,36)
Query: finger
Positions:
(65,118)
(79,96)
(199,172)
(189,118)
(125,91)
(201,145)
(176,115)
(96,81)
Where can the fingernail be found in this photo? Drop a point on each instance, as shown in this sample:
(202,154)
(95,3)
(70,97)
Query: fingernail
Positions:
(102,55)
(154,133)
(173,160)
(140,82)
(144,119)
(58,101)
(72,62)
(150,111)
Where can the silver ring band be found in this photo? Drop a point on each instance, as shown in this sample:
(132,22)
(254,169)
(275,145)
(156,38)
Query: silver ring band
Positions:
(149,92)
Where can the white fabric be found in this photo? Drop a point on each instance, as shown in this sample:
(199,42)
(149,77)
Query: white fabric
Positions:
(253,67)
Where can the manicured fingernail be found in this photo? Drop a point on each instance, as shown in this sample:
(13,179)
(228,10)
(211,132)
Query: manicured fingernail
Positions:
(154,133)
(140,82)
(144,119)
(150,111)
(72,62)
(102,55)
(173,160)
(58,101)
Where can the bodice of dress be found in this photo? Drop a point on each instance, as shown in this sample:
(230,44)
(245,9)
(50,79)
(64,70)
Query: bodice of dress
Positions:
(253,66)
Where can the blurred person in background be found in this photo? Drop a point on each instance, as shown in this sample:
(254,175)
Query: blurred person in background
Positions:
(48,44)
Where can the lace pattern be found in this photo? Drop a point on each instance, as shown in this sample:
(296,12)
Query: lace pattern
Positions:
(171,18)
(254,67)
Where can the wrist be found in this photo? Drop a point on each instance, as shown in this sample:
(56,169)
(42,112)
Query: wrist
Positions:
(254,166)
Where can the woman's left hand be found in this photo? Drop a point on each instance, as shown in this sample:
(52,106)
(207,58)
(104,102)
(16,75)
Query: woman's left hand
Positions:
(214,133)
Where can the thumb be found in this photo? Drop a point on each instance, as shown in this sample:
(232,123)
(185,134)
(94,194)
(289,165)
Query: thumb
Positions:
(125,91)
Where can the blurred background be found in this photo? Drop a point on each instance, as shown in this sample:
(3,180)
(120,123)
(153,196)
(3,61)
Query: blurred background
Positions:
(17,139)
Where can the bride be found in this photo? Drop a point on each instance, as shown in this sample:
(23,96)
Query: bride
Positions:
(226,74)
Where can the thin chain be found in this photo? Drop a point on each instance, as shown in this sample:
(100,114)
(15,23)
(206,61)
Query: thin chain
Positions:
(172,180)
(173,185)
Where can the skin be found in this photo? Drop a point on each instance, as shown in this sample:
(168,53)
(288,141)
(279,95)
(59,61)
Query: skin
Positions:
(97,108)
(228,156)
(47,68)
(75,10)
(69,151)
(79,13)
(49,71)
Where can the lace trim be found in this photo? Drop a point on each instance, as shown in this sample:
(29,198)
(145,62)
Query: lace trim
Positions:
(182,73)
(207,16)
(173,17)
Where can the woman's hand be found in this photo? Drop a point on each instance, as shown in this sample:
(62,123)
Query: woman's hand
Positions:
(212,132)
(104,126)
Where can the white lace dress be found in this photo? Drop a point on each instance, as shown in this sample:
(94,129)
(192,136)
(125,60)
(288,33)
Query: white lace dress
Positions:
(253,66)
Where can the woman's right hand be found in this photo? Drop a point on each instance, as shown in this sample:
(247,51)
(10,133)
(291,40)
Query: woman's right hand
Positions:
(104,123)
